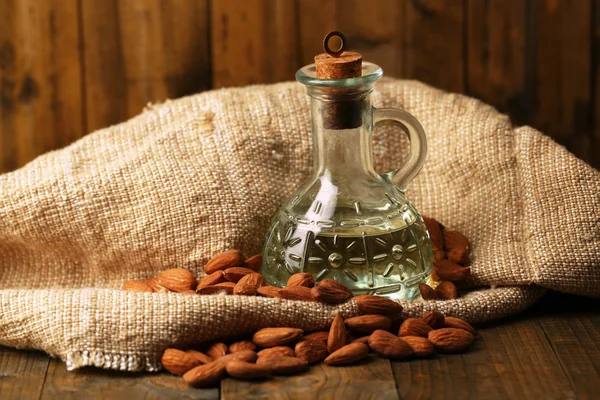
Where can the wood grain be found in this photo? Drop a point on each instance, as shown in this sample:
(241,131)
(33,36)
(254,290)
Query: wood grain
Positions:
(316,19)
(511,360)
(371,379)
(372,28)
(573,330)
(253,41)
(22,373)
(137,52)
(562,71)
(102,384)
(595,145)
(68,67)
(497,60)
(40,75)
(433,49)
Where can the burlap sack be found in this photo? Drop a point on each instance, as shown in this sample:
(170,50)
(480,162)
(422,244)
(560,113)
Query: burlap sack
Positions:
(192,177)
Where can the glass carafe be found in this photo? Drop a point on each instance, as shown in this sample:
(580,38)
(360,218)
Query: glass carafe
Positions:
(346,221)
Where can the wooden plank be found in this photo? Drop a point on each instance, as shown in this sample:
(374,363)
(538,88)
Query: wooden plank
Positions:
(595,146)
(105,86)
(185,46)
(253,41)
(372,28)
(562,71)
(497,63)
(94,383)
(573,329)
(434,50)
(22,373)
(137,52)
(316,19)
(510,360)
(40,72)
(371,379)
(375,30)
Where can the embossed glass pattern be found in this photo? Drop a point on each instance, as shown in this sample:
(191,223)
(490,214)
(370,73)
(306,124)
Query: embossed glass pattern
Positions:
(346,221)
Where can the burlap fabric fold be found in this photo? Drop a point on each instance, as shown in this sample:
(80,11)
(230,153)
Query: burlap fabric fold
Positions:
(192,177)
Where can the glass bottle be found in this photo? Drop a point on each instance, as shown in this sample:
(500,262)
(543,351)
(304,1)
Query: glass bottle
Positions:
(346,221)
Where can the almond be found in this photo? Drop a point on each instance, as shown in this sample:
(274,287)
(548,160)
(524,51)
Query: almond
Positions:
(317,335)
(157,287)
(248,285)
(205,375)
(388,345)
(421,346)
(212,279)
(217,350)
(449,271)
(452,322)
(241,345)
(137,286)
(198,355)
(244,355)
(219,288)
(451,340)
(177,279)
(283,365)
(439,255)
(234,274)
(370,304)
(311,351)
(427,292)
(178,362)
(254,262)
(414,327)
(331,292)
(454,239)
(348,354)
(446,290)
(188,292)
(222,261)
(245,370)
(270,337)
(459,255)
(434,319)
(301,293)
(301,279)
(369,323)
(337,334)
(435,233)
(268,291)
(277,351)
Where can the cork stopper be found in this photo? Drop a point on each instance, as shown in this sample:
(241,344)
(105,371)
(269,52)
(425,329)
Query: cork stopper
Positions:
(338,64)
(341,111)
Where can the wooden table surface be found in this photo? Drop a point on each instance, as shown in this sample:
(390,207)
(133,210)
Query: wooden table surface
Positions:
(551,351)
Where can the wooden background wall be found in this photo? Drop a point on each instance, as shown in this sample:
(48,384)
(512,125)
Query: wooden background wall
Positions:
(68,67)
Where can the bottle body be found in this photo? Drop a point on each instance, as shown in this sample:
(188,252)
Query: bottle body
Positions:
(376,246)
(346,221)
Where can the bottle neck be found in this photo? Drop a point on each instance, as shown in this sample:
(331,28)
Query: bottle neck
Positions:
(342,134)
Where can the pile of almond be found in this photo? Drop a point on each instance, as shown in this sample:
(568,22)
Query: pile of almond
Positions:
(231,273)
(451,259)
(286,351)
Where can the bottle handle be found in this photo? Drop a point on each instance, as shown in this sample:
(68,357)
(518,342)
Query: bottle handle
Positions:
(402,176)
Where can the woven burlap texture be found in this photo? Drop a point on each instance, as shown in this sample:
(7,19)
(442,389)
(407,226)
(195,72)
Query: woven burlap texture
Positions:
(193,177)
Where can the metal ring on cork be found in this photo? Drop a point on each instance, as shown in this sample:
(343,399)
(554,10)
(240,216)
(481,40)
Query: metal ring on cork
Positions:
(339,51)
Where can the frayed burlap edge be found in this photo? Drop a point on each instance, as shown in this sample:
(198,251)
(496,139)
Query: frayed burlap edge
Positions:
(128,331)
